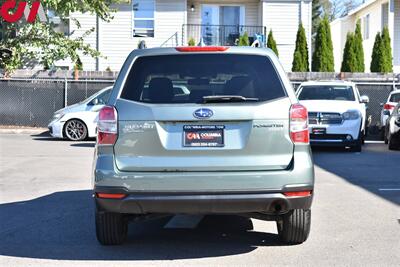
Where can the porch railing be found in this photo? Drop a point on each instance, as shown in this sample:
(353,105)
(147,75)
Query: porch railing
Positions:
(172,41)
(219,34)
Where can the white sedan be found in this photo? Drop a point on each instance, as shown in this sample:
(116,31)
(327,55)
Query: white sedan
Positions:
(78,122)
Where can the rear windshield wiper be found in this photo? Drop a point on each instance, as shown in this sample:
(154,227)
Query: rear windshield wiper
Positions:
(227,99)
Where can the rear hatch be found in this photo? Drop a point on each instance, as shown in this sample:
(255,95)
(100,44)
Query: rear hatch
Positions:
(203,112)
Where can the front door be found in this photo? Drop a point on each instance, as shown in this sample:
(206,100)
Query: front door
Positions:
(221,24)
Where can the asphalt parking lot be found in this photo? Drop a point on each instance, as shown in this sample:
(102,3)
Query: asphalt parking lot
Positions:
(46,215)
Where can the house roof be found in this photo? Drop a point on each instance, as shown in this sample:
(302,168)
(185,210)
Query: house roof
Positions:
(354,11)
(361,7)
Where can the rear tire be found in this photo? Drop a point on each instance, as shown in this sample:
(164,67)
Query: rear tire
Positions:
(385,136)
(393,145)
(294,227)
(357,147)
(111,228)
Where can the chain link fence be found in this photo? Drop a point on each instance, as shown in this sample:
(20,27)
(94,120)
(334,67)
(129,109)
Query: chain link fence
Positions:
(32,102)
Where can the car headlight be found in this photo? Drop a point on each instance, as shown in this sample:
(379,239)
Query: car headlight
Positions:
(58,116)
(351,115)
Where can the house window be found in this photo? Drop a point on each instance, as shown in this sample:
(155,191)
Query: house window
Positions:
(58,24)
(143,18)
(366,26)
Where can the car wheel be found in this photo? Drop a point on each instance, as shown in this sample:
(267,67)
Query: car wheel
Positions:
(363,136)
(111,228)
(385,136)
(75,130)
(393,145)
(382,134)
(357,147)
(294,227)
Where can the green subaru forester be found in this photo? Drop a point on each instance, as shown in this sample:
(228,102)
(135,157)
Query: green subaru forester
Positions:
(203,130)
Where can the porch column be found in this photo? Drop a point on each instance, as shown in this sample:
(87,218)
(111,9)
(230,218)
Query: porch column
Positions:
(394,22)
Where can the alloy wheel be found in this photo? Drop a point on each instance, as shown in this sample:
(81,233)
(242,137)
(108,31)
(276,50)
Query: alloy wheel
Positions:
(75,130)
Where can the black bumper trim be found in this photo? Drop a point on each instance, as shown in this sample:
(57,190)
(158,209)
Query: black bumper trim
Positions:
(268,203)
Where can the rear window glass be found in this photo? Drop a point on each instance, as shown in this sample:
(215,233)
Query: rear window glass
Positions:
(188,78)
(324,92)
(395,98)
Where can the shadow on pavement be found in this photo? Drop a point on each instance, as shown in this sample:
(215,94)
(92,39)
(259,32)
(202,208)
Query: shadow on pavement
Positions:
(375,169)
(61,226)
(43,134)
(90,145)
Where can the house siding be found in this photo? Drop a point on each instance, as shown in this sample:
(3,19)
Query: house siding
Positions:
(375,25)
(338,27)
(341,27)
(115,41)
(396,37)
(251,10)
(285,26)
(87,22)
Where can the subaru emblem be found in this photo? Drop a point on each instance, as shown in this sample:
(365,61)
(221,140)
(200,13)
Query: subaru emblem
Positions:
(203,113)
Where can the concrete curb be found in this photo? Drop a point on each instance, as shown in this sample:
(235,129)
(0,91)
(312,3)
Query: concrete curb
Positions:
(23,130)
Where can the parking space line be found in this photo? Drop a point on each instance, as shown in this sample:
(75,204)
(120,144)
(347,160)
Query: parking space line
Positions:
(374,142)
(389,189)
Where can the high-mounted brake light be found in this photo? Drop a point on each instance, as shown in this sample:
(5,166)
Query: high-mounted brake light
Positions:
(202,49)
(110,196)
(298,194)
(299,132)
(107,130)
(388,107)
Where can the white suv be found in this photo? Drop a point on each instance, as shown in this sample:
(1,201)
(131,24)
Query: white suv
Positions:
(337,113)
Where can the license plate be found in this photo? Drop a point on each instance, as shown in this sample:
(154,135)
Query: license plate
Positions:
(319,130)
(203,135)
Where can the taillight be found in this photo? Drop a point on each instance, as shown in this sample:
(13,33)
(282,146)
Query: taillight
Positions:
(298,194)
(299,132)
(388,107)
(110,196)
(202,49)
(107,130)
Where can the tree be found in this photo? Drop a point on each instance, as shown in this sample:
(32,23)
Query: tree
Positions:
(377,55)
(349,63)
(353,54)
(359,49)
(387,51)
(300,56)
(272,44)
(323,60)
(191,42)
(244,40)
(42,44)
(382,60)
(319,9)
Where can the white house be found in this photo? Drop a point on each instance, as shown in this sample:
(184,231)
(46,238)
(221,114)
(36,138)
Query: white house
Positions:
(374,15)
(174,22)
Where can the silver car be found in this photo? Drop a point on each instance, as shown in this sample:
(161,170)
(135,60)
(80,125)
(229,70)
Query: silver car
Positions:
(238,143)
(392,131)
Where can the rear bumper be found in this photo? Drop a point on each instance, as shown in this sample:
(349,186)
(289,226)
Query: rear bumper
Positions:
(336,134)
(231,192)
(227,203)
(331,140)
